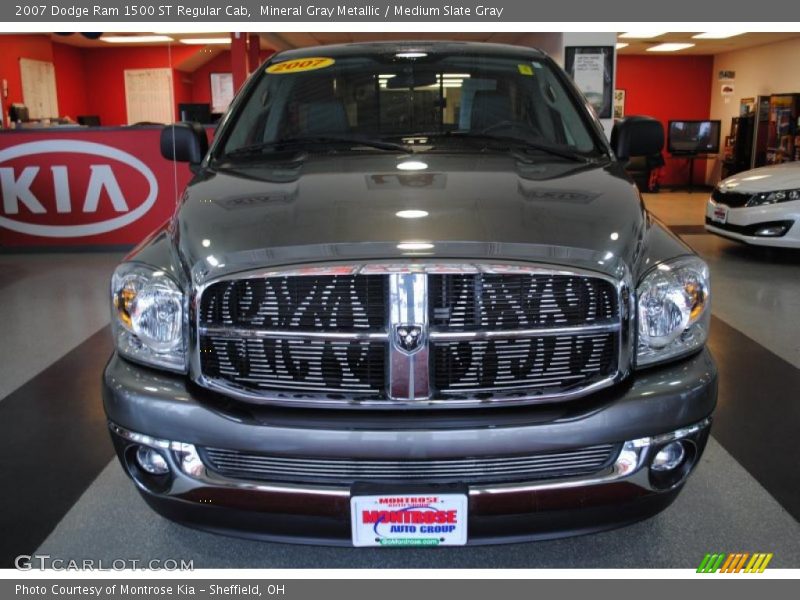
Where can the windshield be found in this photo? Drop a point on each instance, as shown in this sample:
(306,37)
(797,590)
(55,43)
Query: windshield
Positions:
(393,98)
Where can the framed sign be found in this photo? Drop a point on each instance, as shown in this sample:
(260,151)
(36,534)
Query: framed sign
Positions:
(221,91)
(619,104)
(592,70)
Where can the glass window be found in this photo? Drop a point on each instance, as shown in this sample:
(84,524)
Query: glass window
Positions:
(382,97)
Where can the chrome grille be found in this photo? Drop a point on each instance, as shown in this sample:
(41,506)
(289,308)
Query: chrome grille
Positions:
(499,302)
(295,364)
(427,335)
(564,463)
(535,363)
(732,199)
(311,303)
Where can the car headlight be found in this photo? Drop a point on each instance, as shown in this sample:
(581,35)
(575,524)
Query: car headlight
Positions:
(673,310)
(773,197)
(148,317)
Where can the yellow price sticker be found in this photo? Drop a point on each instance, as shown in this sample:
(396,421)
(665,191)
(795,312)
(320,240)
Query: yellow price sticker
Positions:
(525,69)
(300,65)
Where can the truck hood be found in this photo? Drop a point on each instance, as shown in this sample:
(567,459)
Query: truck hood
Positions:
(784,176)
(351,207)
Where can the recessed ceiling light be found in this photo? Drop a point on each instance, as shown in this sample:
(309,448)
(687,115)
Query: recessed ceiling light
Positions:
(136,39)
(669,47)
(411,54)
(621,45)
(412,214)
(205,41)
(711,35)
(189,32)
(414,246)
(642,34)
(412,165)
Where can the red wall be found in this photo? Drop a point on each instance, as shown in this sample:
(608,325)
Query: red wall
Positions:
(221,63)
(69,65)
(668,88)
(91,81)
(105,79)
(201,88)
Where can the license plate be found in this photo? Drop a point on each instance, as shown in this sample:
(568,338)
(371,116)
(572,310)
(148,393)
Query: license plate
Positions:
(409,520)
(719,214)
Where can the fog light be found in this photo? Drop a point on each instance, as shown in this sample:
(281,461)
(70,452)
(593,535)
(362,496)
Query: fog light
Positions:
(771,231)
(669,457)
(151,461)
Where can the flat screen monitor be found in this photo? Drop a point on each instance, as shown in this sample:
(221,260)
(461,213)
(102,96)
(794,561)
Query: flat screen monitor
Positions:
(18,113)
(693,137)
(195,112)
(89,120)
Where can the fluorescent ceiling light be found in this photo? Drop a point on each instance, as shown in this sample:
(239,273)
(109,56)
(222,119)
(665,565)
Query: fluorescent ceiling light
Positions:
(135,39)
(621,45)
(412,214)
(669,47)
(710,35)
(411,54)
(412,165)
(414,246)
(642,34)
(206,41)
(190,32)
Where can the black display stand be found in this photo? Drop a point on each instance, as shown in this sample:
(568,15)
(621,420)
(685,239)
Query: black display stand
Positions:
(691,158)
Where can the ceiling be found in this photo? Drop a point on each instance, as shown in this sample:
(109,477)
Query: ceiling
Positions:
(287,40)
(739,42)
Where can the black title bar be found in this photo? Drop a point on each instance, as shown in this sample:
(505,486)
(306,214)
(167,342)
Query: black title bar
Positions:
(506,11)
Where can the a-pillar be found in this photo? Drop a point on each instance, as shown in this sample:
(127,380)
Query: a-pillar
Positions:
(253,51)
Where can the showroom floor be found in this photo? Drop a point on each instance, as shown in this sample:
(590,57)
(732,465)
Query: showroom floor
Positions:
(66,496)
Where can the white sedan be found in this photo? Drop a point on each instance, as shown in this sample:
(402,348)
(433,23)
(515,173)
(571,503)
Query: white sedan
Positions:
(760,207)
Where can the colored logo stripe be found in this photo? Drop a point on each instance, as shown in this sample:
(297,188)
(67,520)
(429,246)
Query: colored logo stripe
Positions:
(735,563)
(710,563)
(758,563)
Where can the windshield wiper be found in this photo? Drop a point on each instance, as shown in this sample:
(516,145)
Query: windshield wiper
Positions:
(319,140)
(498,142)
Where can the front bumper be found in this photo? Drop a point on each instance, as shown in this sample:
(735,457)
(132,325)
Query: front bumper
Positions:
(743,223)
(151,408)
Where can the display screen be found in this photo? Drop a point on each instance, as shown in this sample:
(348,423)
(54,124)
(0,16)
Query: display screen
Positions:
(693,137)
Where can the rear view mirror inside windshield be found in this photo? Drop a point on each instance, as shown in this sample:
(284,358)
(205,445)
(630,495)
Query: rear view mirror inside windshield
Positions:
(411,80)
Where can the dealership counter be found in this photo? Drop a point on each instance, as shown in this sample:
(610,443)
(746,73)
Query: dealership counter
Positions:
(85,186)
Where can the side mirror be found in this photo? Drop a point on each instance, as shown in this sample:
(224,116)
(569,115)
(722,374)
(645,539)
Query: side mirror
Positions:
(184,142)
(637,136)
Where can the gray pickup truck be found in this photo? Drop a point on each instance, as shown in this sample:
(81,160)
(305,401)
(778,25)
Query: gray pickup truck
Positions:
(410,297)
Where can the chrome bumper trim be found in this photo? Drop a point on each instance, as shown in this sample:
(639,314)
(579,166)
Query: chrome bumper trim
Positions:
(628,465)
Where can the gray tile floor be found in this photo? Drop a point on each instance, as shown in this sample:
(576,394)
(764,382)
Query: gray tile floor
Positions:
(63,299)
(51,303)
(756,290)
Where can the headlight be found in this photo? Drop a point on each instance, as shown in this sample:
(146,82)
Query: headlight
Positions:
(148,317)
(673,310)
(773,197)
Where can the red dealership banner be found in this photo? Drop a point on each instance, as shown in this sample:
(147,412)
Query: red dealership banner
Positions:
(85,187)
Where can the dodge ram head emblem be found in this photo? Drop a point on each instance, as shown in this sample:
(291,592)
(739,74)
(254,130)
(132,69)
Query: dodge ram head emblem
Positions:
(408,337)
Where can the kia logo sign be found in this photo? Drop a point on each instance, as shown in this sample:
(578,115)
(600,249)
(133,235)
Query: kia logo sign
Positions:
(41,192)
